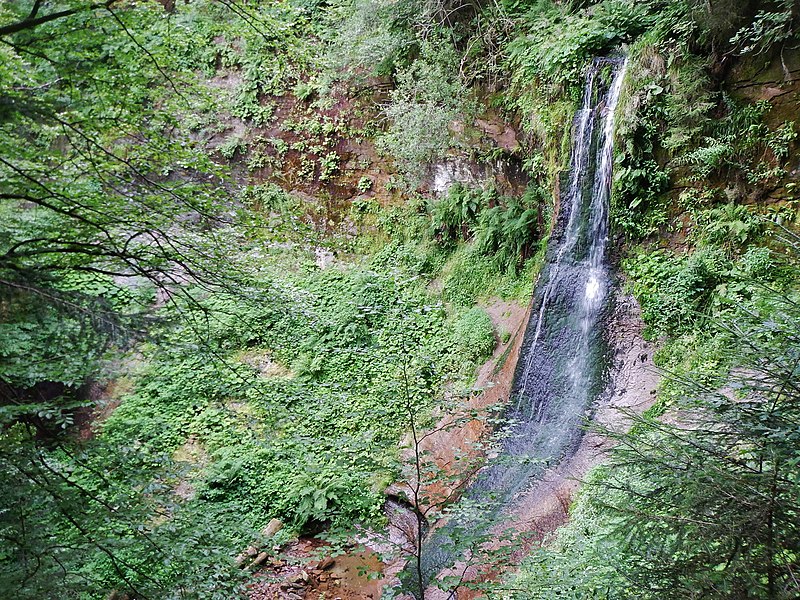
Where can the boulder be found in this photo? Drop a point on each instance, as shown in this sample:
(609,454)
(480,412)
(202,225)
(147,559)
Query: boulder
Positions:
(260,560)
(245,556)
(273,527)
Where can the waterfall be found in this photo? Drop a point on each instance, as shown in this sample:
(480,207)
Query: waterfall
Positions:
(555,379)
(560,370)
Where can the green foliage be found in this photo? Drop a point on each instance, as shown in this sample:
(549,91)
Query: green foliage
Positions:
(739,143)
(454,217)
(639,178)
(215,411)
(675,292)
(107,194)
(272,388)
(473,334)
(427,99)
(560,44)
(376,35)
(231,146)
(509,231)
(110,526)
(101,201)
(677,125)
(505,229)
(768,27)
(732,226)
(332,420)
(41,343)
(364,184)
(470,276)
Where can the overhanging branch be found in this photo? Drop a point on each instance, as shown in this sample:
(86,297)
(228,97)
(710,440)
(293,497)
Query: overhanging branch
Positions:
(32,20)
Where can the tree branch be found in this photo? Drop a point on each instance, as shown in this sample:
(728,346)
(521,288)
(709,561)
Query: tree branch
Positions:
(32,20)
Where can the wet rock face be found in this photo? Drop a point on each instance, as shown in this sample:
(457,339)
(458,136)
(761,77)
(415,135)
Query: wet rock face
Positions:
(504,173)
(775,80)
(446,174)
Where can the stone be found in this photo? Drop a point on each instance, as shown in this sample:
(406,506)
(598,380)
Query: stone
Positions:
(273,527)
(260,560)
(297,587)
(245,556)
(294,578)
(298,577)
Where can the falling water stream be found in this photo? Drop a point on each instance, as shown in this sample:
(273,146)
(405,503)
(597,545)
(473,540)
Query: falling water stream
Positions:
(561,366)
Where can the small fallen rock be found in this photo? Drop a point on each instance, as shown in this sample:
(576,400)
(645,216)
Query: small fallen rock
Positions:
(260,559)
(292,587)
(273,527)
(301,576)
(245,556)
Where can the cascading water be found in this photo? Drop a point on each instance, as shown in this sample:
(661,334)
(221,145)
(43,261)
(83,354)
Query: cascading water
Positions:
(561,364)
(558,374)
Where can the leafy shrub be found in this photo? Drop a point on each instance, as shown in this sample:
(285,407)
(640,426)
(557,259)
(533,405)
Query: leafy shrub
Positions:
(247,105)
(675,291)
(677,125)
(364,184)
(470,275)
(428,97)
(473,334)
(413,258)
(510,230)
(231,146)
(758,263)
(766,29)
(467,276)
(731,226)
(221,478)
(454,216)
(376,35)
(560,45)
